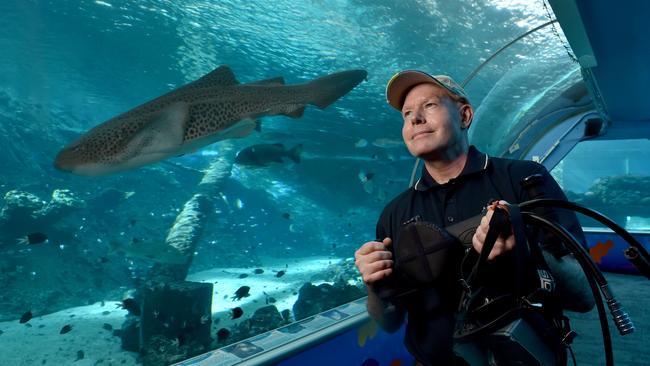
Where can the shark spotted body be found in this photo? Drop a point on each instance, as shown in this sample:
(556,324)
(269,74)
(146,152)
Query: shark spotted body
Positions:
(212,108)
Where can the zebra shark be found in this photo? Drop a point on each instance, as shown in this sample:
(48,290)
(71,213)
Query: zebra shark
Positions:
(212,108)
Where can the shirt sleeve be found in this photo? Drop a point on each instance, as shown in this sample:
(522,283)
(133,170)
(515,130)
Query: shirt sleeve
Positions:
(384,225)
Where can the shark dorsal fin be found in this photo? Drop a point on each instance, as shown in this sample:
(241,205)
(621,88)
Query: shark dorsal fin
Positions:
(269,82)
(222,75)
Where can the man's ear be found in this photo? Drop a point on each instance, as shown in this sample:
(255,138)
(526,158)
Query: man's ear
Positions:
(466,116)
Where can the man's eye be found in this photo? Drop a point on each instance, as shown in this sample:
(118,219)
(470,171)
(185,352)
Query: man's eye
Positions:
(407,114)
(430,105)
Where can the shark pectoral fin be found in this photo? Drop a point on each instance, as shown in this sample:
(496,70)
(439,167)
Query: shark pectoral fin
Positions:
(295,113)
(164,133)
(241,129)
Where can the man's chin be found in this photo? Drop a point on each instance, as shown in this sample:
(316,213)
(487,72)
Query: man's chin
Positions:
(428,153)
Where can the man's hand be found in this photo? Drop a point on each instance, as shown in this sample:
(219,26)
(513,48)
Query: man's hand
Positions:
(501,245)
(374,261)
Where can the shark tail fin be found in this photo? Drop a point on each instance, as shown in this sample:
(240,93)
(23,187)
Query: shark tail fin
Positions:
(294,153)
(328,89)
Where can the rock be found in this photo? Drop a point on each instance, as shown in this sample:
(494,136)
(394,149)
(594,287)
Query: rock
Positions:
(63,202)
(316,299)
(19,206)
(130,334)
(24,212)
(178,308)
(265,319)
(617,197)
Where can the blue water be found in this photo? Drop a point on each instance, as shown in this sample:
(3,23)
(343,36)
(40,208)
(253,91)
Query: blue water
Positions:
(66,66)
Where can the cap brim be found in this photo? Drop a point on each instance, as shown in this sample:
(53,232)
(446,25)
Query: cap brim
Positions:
(402,82)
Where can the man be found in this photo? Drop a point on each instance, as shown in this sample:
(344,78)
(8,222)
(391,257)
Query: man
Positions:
(457,182)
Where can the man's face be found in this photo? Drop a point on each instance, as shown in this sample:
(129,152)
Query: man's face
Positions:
(433,122)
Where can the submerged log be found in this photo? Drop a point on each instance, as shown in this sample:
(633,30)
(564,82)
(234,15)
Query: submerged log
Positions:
(186,231)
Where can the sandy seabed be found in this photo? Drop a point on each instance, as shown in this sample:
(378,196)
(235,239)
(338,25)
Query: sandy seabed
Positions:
(39,342)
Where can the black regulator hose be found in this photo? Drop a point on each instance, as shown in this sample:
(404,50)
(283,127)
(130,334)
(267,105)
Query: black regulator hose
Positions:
(637,254)
(592,273)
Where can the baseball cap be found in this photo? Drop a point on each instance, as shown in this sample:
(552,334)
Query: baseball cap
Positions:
(403,81)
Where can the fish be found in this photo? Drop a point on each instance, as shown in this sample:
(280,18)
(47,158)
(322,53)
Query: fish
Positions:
(262,155)
(80,355)
(280,274)
(131,306)
(33,238)
(366,181)
(365,177)
(155,251)
(241,293)
(258,271)
(237,312)
(26,317)
(239,204)
(107,326)
(243,275)
(361,143)
(222,334)
(388,143)
(600,250)
(286,314)
(213,108)
(66,328)
(286,215)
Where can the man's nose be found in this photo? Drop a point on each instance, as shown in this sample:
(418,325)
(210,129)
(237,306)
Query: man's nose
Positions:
(417,118)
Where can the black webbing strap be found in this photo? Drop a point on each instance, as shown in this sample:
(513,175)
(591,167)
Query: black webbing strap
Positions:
(498,223)
(522,251)
(502,222)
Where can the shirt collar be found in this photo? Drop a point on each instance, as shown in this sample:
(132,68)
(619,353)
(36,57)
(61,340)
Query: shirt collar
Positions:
(476,162)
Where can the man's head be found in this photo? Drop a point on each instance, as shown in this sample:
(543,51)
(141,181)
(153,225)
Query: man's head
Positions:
(435,110)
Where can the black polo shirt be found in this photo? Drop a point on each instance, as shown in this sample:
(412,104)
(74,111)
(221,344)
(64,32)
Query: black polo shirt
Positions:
(483,179)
